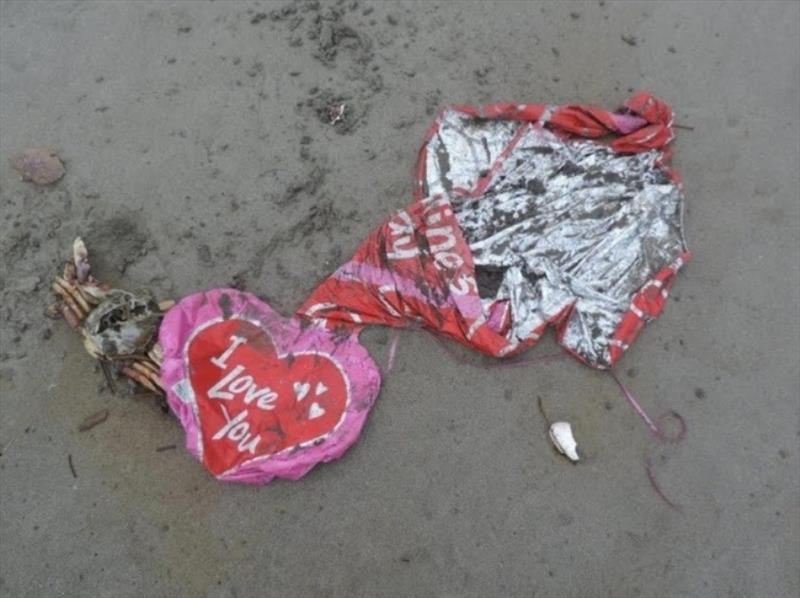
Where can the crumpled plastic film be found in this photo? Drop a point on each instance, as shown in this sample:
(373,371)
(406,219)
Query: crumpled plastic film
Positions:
(526,216)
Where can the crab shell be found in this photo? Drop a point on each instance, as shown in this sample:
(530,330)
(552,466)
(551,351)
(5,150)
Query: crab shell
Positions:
(123,325)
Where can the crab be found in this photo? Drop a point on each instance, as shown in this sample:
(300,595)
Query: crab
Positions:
(118,327)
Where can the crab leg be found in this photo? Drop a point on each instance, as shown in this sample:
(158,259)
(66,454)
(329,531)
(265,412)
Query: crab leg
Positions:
(156,354)
(86,295)
(109,379)
(148,370)
(70,316)
(141,378)
(74,292)
(69,299)
(149,367)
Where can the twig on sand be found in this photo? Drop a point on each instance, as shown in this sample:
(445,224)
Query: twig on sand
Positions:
(541,410)
(95,419)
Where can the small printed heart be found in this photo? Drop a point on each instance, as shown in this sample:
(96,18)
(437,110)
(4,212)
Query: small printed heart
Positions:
(321,388)
(315,411)
(249,396)
(301,390)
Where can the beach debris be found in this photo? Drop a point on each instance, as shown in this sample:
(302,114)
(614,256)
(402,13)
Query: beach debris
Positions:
(95,419)
(259,395)
(336,113)
(41,166)
(564,441)
(526,217)
(119,328)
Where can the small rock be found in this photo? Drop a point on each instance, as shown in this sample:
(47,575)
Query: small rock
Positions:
(629,39)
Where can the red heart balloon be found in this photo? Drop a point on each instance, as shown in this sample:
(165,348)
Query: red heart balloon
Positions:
(253,402)
(261,396)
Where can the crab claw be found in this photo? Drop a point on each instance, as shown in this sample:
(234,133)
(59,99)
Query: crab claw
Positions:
(80,257)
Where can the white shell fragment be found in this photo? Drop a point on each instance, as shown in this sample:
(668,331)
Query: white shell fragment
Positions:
(564,441)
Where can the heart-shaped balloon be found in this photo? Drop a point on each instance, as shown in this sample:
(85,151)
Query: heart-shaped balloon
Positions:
(261,396)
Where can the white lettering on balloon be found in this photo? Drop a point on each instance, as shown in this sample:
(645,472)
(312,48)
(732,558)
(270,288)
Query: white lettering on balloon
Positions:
(441,241)
(237,381)
(236,429)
